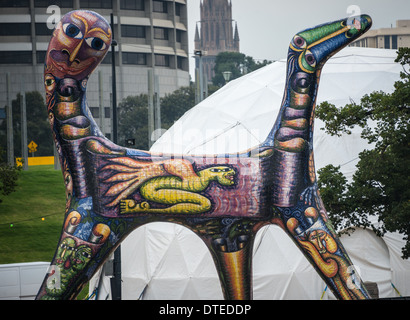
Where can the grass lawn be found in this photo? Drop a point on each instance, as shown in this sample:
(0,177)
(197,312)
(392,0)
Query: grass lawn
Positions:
(32,216)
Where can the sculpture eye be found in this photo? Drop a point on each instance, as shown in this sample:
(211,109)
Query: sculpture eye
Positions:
(96,43)
(49,81)
(72,31)
(85,254)
(310,59)
(299,42)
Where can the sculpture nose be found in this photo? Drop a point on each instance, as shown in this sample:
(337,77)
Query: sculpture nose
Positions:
(74,54)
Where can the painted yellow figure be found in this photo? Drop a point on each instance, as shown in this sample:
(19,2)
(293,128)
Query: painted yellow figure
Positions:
(322,247)
(169,182)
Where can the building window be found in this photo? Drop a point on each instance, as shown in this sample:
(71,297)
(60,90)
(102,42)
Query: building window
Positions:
(132,5)
(134,58)
(14,3)
(108,58)
(11,57)
(161,33)
(180,62)
(394,42)
(212,33)
(95,112)
(60,3)
(162,60)
(107,112)
(132,31)
(159,6)
(387,42)
(177,9)
(100,4)
(179,36)
(15,29)
(41,56)
(43,30)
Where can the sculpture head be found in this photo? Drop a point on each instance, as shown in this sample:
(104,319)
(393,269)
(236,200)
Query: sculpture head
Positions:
(79,43)
(223,174)
(316,45)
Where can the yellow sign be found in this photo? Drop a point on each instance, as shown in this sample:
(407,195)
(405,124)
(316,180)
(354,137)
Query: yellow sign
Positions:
(32,146)
(19,162)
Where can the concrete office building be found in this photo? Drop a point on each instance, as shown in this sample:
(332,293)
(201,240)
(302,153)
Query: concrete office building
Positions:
(386,38)
(151,35)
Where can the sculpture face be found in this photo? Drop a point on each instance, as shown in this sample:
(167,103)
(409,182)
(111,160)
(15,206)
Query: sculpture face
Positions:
(224,175)
(224,199)
(79,43)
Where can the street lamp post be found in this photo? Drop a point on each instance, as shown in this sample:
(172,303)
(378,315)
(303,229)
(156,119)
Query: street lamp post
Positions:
(198,55)
(116,280)
(114,84)
(227,76)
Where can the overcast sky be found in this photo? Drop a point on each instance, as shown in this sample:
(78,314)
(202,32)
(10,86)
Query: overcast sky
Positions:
(266,26)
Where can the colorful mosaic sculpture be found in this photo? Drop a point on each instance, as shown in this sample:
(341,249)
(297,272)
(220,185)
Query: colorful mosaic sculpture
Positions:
(225,199)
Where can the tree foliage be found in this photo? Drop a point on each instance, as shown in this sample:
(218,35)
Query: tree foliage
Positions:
(133,120)
(381,184)
(174,105)
(133,114)
(38,127)
(8,176)
(236,63)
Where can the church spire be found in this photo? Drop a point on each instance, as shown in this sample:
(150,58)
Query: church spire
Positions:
(236,37)
(216,32)
(197,38)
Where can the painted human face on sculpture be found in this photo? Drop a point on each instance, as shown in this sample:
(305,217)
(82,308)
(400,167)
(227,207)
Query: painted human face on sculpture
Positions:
(323,241)
(65,250)
(81,257)
(78,45)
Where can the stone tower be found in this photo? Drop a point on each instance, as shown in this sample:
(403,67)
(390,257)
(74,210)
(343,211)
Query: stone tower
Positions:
(215,32)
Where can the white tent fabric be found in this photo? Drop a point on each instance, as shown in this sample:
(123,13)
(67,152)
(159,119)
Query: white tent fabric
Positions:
(167,261)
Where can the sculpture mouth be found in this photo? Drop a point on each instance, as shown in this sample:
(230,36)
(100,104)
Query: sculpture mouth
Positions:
(69,89)
(230,176)
(59,59)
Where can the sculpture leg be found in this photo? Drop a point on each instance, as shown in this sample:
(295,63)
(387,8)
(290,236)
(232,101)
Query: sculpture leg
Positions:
(294,188)
(74,263)
(313,233)
(235,268)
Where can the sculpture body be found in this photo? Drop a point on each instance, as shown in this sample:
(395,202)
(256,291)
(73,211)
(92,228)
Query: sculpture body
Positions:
(225,199)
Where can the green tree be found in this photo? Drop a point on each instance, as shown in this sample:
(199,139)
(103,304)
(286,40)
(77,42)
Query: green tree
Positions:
(38,127)
(381,184)
(8,176)
(133,121)
(236,63)
(133,114)
(174,105)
